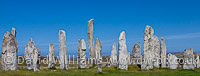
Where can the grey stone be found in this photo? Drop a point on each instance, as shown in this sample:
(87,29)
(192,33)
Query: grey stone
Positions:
(99,54)
(188,59)
(81,54)
(197,61)
(156,51)
(148,48)
(90,32)
(172,61)
(137,57)
(36,60)
(51,57)
(123,54)
(163,53)
(9,51)
(63,50)
(113,58)
(28,54)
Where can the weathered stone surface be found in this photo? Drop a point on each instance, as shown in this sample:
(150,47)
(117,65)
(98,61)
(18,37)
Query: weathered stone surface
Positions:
(28,54)
(36,60)
(52,61)
(137,57)
(123,54)
(81,54)
(99,54)
(163,53)
(63,50)
(156,46)
(197,61)
(9,51)
(90,32)
(148,48)
(188,59)
(113,57)
(172,61)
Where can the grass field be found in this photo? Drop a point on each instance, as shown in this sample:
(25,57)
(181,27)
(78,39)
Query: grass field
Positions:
(107,71)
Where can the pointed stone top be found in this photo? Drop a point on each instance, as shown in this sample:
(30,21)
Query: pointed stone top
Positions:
(162,38)
(114,43)
(31,39)
(13,32)
(122,35)
(91,20)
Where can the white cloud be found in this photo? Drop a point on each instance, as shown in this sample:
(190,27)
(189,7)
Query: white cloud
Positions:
(184,36)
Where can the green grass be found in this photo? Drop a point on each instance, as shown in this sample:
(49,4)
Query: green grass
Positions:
(107,71)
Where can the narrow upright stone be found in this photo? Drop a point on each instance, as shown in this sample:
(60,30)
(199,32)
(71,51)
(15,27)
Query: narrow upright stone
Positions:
(163,53)
(63,50)
(9,51)
(28,54)
(99,55)
(13,32)
(123,54)
(197,61)
(90,32)
(52,61)
(137,57)
(188,59)
(113,58)
(36,60)
(156,46)
(148,48)
(81,54)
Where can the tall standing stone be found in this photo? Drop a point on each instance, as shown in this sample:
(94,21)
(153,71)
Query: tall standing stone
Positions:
(36,60)
(9,51)
(90,32)
(63,50)
(137,57)
(156,46)
(81,54)
(188,59)
(99,54)
(113,57)
(148,48)
(123,54)
(51,58)
(172,61)
(197,61)
(28,54)
(163,53)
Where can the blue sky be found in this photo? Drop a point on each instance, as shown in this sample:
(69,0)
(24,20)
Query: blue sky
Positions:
(178,21)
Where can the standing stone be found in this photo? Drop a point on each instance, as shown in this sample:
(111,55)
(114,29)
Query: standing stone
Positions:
(36,60)
(156,46)
(197,61)
(63,50)
(90,32)
(163,53)
(81,54)
(52,61)
(129,58)
(148,48)
(188,59)
(99,55)
(137,57)
(113,58)
(9,51)
(28,54)
(123,54)
(172,61)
